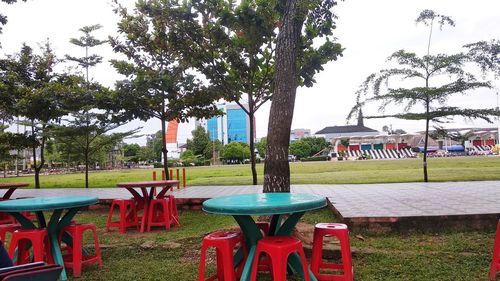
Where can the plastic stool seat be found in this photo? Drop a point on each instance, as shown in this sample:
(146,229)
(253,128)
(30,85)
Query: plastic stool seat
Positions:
(279,248)
(341,232)
(39,242)
(127,219)
(224,242)
(75,259)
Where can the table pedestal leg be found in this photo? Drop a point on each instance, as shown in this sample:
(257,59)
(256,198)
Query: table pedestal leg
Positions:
(52,229)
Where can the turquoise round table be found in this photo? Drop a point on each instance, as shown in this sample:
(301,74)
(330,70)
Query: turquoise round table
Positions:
(57,221)
(285,210)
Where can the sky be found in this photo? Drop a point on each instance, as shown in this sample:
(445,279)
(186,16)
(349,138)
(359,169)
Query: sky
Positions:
(369,31)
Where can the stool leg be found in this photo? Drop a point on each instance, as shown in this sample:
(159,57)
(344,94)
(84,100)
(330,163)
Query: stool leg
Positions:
(279,269)
(110,217)
(228,263)
(123,218)
(96,247)
(496,254)
(38,252)
(167,214)
(77,254)
(201,271)
(255,264)
(346,256)
(220,264)
(317,252)
(304,264)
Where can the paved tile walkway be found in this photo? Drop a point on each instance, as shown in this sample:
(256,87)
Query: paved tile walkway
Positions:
(351,201)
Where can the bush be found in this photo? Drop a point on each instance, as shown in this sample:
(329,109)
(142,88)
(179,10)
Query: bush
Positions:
(171,163)
(317,158)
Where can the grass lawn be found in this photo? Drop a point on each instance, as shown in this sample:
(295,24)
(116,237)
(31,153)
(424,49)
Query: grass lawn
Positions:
(342,172)
(174,255)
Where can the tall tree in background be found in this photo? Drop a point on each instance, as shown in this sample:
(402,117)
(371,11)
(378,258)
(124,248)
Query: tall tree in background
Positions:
(432,99)
(233,47)
(157,84)
(94,117)
(41,95)
(298,58)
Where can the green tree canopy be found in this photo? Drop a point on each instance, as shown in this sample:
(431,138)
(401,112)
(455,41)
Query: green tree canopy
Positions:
(39,94)
(235,151)
(157,84)
(200,144)
(435,79)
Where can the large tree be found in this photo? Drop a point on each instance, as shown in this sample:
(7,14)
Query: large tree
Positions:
(299,56)
(157,85)
(438,77)
(94,117)
(233,45)
(39,94)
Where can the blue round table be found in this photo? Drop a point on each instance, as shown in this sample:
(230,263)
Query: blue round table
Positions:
(57,221)
(277,205)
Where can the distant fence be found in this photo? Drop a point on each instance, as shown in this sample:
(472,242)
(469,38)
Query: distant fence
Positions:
(171,176)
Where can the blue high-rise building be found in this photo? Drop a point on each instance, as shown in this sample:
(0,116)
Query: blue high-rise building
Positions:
(234,125)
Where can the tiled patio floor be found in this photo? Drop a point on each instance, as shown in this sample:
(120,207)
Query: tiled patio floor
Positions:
(350,201)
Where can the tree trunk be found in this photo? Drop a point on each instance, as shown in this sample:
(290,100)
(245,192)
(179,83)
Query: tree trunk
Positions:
(426,178)
(164,148)
(252,138)
(277,169)
(37,171)
(86,169)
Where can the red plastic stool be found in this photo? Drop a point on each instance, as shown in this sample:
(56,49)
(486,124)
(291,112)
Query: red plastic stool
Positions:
(8,228)
(224,242)
(159,213)
(341,232)
(495,261)
(75,259)
(127,219)
(39,242)
(278,248)
(174,213)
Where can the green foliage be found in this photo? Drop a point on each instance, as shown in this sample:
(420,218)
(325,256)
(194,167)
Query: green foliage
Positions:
(262,147)
(200,144)
(87,41)
(154,145)
(429,100)
(307,147)
(235,151)
(486,54)
(132,152)
(35,91)
(316,158)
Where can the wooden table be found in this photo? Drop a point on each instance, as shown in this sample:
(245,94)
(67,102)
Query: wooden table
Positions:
(57,221)
(145,198)
(243,207)
(11,187)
